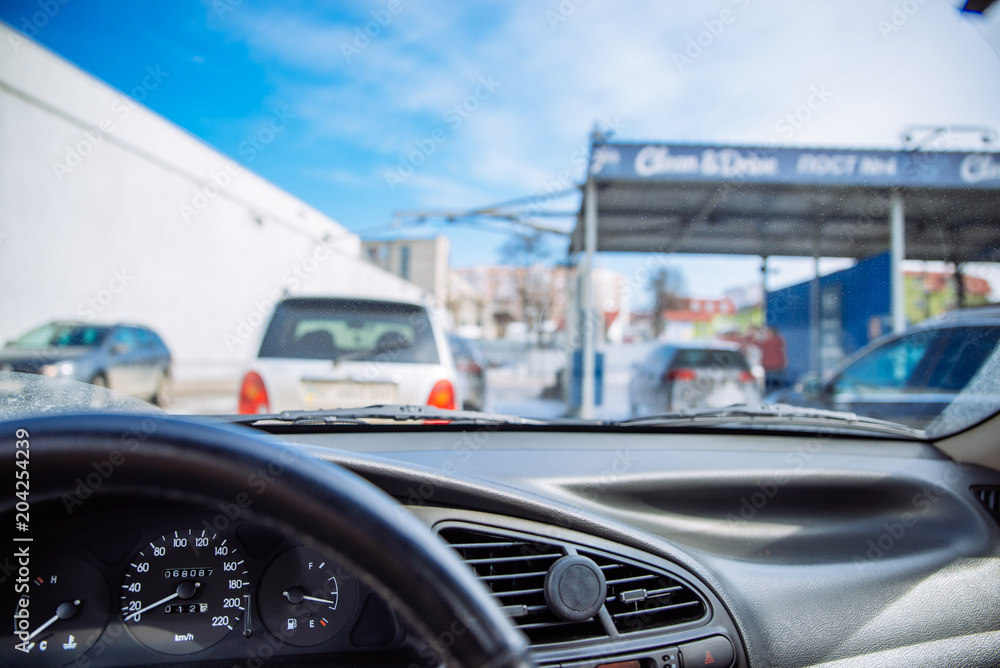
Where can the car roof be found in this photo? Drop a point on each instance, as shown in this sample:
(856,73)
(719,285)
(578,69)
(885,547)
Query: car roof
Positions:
(349,299)
(985,313)
(99,325)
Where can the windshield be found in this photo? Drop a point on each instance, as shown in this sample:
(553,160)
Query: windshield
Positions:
(62,336)
(551,210)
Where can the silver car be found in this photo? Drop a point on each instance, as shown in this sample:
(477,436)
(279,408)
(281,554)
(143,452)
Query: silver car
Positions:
(699,374)
(131,359)
(470,363)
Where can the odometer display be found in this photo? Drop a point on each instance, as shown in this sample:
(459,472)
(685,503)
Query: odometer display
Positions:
(186,573)
(184,592)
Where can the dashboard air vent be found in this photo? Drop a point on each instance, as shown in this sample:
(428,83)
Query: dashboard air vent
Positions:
(989,497)
(640,598)
(513,567)
(514,570)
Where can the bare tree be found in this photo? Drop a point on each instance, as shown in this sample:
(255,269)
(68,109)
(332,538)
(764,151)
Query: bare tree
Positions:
(526,252)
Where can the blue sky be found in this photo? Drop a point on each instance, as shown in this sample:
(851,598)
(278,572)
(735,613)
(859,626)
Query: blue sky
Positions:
(489,101)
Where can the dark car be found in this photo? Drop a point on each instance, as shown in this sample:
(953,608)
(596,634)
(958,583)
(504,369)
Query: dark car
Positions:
(470,363)
(131,359)
(698,374)
(909,377)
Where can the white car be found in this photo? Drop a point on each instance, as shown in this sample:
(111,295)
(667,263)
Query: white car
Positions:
(692,374)
(337,352)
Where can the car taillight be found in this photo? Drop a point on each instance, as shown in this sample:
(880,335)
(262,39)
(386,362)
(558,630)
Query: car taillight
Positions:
(442,396)
(253,395)
(747,377)
(680,374)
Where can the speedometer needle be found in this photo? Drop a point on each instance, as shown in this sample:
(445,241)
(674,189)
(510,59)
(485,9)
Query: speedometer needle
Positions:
(184,590)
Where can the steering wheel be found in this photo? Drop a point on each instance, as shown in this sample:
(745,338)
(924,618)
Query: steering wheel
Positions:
(318,503)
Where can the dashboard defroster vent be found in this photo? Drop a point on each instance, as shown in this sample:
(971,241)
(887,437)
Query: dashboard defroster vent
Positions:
(514,568)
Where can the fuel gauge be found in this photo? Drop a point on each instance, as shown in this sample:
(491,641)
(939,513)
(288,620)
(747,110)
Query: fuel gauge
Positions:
(59,617)
(306,598)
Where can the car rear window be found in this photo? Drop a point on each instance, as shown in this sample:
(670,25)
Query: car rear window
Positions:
(355,330)
(701,358)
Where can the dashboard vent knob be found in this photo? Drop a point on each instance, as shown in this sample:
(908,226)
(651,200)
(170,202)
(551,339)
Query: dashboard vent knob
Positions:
(575,588)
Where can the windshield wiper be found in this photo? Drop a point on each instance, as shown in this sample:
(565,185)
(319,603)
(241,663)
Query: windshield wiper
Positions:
(787,414)
(741,415)
(382,412)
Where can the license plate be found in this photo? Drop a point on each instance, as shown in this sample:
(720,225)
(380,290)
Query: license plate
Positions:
(346,394)
(726,394)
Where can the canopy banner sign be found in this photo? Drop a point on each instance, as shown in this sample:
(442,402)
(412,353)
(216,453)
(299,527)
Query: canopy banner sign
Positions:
(795,166)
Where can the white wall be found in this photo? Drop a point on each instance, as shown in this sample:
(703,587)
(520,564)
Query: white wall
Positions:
(109,212)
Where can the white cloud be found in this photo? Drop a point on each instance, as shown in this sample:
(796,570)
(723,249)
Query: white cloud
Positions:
(617,60)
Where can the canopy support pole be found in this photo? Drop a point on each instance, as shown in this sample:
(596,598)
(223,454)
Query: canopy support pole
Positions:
(897,252)
(589,323)
(763,290)
(814,324)
(959,285)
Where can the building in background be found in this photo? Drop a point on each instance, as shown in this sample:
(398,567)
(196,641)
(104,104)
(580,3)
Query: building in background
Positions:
(532,303)
(467,307)
(748,302)
(423,262)
(931,293)
(148,224)
(689,318)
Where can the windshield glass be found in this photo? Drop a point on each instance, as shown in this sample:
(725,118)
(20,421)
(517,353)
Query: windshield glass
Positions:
(61,336)
(558,210)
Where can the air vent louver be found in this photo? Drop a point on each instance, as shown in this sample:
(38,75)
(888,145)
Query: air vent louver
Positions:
(514,568)
(640,599)
(989,497)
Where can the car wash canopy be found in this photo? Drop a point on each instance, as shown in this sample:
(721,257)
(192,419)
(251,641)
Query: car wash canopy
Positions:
(675,198)
(682,198)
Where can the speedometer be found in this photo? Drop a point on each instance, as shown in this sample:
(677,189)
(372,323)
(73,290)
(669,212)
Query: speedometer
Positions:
(185,591)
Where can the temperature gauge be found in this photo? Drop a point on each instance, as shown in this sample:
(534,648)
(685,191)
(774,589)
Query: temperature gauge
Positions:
(61,616)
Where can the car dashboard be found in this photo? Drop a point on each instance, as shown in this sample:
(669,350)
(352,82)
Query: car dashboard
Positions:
(709,549)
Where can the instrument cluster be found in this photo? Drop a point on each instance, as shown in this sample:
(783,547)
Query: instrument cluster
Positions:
(148,586)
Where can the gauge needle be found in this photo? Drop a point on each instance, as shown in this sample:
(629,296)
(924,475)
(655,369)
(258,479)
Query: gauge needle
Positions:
(184,590)
(319,600)
(64,611)
(296,595)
